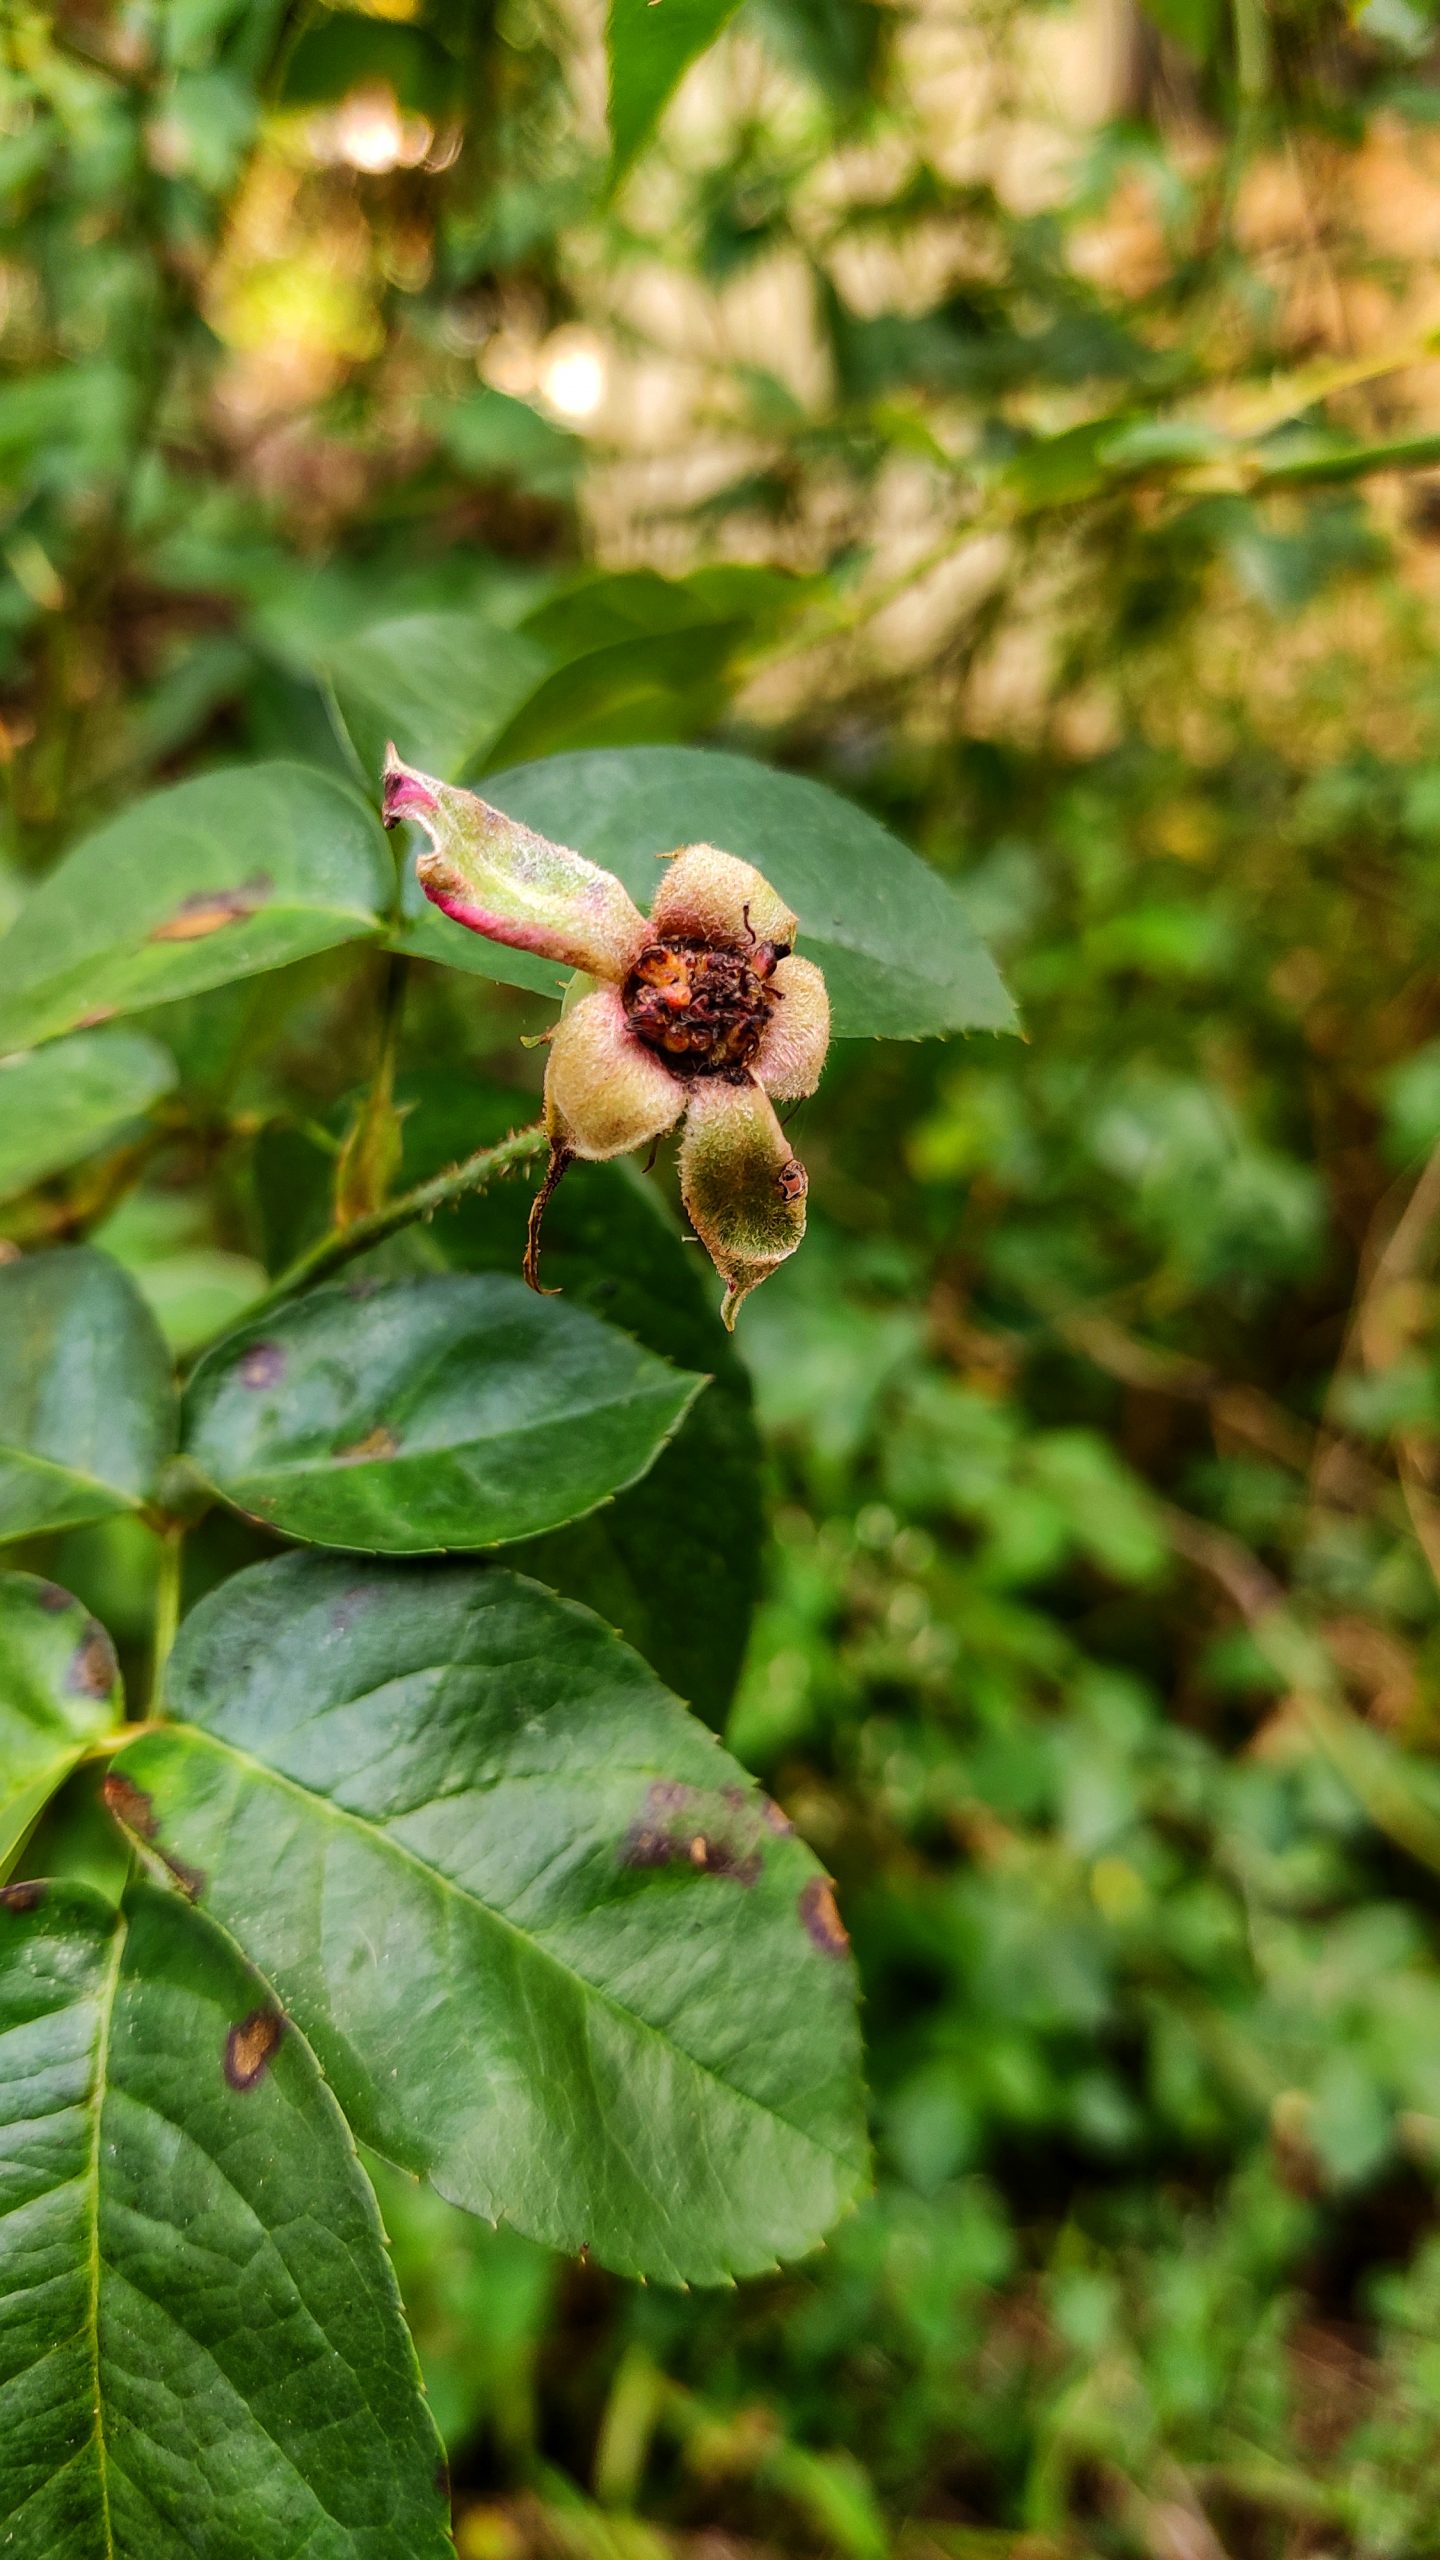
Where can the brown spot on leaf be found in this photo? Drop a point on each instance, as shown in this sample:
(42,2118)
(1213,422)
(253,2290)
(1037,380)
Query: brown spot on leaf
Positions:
(668,1834)
(129,1804)
(97,1014)
(51,1597)
(352,1604)
(210,910)
(93,1668)
(191,1880)
(136,1812)
(821,1915)
(776,1821)
(25,1896)
(249,2047)
(379,1443)
(262,1366)
(670,1795)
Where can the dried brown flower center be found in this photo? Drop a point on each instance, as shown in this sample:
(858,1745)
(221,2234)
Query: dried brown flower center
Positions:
(703,1010)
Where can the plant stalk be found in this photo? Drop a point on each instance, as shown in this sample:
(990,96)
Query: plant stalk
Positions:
(167,1612)
(342,1244)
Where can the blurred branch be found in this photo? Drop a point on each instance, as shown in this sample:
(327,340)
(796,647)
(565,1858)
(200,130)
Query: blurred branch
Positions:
(1368,1764)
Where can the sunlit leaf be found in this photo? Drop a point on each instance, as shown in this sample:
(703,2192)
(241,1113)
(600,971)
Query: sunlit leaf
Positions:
(649,49)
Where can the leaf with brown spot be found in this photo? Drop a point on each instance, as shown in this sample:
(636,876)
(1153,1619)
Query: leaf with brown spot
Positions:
(262,1366)
(821,1914)
(132,1809)
(59,1691)
(429,1414)
(129,1804)
(26,1896)
(195,2240)
(249,2046)
(379,1443)
(210,910)
(94,1671)
(166,901)
(603,2028)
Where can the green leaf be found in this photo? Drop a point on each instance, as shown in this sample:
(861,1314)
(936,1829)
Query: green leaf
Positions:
(674,1562)
(341,54)
(608,605)
(550,1945)
(216,879)
(59,1688)
(201,2346)
(442,685)
(87,1409)
(662,684)
(428,1414)
(491,437)
(63,1103)
(649,49)
(899,955)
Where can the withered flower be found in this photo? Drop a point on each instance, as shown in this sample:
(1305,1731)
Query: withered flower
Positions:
(704,1010)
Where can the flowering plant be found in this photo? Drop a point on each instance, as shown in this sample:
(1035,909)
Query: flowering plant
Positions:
(704,1010)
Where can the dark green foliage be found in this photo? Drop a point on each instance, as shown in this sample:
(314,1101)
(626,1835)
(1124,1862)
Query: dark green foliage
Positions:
(427,1414)
(899,958)
(59,1690)
(87,1409)
(979,431)
(201,2347)
(63,1103)
(530,1854)
(674,1561)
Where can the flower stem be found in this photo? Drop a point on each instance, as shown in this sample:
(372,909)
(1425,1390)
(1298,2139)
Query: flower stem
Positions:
(341,1245)
(167,1610)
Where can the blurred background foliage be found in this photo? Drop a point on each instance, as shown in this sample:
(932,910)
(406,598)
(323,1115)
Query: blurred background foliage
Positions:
(1027,418)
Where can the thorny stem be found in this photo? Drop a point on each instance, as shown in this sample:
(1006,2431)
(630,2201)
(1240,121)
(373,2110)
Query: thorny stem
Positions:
(561,1159)
(167,1611)
(342,1244)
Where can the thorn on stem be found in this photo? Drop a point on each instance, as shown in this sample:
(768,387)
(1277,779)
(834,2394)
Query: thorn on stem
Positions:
(561,1159)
